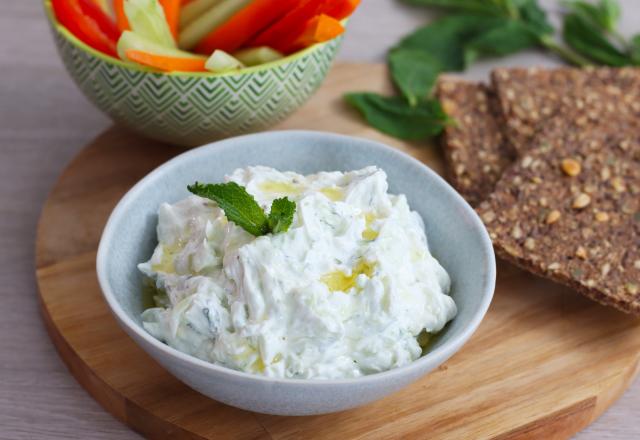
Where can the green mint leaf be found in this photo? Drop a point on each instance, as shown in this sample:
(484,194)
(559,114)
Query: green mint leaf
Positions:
(414,72)
(534,17)
(445,39)
(281,215)
(611,13)
(604,14)
(583,36)
(503,39)
(238,205)
(635,49)
(482,7)
(394,116)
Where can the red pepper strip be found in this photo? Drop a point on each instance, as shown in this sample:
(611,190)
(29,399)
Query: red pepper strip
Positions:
(244,24)
(69,14)
(319,29)
(276,35)
(104,22)
(172,14)
(121,17)
(340,10)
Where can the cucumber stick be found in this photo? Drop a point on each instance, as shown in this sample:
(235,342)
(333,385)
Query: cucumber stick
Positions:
(257,55)
(209,21)
(132,41)
(220,61)
(194,9)
(147,19)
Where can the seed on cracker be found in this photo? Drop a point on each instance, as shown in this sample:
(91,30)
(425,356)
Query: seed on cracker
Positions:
(581,201)
(571,167)
(553,216)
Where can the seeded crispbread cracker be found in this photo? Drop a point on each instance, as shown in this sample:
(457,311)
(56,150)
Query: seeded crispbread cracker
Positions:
(529,97)
(474,147)
(569,209)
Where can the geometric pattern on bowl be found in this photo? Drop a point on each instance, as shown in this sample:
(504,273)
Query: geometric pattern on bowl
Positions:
(193,109)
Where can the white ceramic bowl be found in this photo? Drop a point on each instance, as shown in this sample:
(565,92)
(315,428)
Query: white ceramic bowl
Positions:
(457,238)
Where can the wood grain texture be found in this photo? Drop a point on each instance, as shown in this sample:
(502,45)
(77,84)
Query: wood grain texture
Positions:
(44,122)
(544,363)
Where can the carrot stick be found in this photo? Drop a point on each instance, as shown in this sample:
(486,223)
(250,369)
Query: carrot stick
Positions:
(276,35)
(244,24)
(340,10)
(172,13)
(319,29)
(166,63)
(121,17)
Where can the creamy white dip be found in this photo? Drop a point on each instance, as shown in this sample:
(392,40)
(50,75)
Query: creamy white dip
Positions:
(345,292)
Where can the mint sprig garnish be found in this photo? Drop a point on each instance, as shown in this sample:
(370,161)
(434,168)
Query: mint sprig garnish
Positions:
(242,209)
(281,215)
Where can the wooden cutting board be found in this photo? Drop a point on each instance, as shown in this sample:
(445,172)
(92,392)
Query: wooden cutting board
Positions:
(544,363)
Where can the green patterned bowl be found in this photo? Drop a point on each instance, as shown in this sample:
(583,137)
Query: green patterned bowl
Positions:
(193,108)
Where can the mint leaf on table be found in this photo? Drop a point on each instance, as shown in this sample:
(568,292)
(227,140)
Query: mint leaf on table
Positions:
(634,49)
(481,7)
(604,14)
(472,29)
(611,13)
(584,36)
(445,39)
(281,215)
(530,13)
(414,72)
(504,39)
(242,209)
(395,116)
(451,44)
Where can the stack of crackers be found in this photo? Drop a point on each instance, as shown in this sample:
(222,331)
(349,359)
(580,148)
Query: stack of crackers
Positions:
(551,161)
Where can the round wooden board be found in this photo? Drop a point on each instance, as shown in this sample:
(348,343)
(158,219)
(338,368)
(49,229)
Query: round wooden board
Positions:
(544,363)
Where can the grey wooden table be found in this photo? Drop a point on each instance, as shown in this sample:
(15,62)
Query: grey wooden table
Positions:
(44,122)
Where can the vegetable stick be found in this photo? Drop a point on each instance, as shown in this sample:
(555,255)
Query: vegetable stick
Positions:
(340,10)
(166,63)
(131,40)
(70,15)
(319,29)
(172,13)
(220,61)
(275,35)
(121,17)
(105,5)
(195,8)
(257,55)
(104,22)
(147,19)
(244,24)
(207,22)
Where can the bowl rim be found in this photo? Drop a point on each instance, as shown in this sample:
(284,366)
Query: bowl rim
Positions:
(81,45)
(442,352)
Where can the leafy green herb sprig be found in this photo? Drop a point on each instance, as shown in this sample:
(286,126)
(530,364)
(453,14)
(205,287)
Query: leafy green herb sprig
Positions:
(472,29)
(242,209)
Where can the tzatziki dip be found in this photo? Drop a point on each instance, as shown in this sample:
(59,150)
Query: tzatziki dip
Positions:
(348,289)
